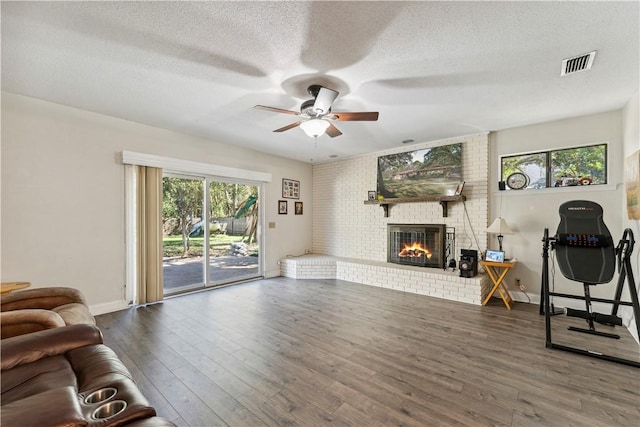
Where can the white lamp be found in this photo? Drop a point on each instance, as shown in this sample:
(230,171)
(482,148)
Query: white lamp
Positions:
(314,127)
(499,225)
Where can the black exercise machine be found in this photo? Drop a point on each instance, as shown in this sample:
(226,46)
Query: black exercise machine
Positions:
(585,253)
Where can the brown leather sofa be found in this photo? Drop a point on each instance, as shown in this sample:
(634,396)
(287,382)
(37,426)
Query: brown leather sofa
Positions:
(34,310)
(66,377)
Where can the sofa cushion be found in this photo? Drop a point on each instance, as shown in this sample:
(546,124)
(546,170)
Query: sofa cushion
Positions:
(37,377)
(58,407)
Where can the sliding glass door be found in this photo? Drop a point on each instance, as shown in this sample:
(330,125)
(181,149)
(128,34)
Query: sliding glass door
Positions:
(219,225)
(182,207)
(234,252)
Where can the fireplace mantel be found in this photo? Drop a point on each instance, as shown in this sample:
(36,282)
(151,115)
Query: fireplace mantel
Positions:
(443,200)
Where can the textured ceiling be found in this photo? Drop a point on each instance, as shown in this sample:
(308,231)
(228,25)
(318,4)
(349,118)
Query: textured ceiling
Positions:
(432,69)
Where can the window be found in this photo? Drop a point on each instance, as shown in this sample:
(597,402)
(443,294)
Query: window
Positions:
(568,167)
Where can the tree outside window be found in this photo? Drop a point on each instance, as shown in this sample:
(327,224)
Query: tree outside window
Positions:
(560,168)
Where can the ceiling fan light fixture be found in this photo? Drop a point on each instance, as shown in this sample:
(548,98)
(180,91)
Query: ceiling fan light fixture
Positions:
(314,127)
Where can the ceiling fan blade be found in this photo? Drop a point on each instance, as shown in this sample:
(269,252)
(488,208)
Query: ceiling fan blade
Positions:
(287,127)
(276,110)
(370,116)
(324,100)
(333,131)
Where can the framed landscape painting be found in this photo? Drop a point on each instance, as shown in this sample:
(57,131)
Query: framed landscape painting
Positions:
(428,172)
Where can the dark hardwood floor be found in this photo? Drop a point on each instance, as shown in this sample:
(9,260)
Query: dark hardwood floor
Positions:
(326,352)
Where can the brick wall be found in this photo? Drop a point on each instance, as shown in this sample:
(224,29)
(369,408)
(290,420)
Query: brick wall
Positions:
(344,226)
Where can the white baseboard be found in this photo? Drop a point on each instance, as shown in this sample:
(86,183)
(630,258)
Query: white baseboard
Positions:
(271,274)
(108,307)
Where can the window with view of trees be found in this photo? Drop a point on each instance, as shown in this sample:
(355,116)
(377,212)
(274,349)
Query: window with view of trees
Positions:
(559,168)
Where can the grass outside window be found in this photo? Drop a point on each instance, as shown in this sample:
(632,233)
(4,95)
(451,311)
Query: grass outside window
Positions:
(219,245)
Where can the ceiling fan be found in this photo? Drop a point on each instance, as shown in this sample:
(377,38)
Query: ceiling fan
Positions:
(316,115)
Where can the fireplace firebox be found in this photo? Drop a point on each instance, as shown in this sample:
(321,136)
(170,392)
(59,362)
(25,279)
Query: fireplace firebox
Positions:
(421,245)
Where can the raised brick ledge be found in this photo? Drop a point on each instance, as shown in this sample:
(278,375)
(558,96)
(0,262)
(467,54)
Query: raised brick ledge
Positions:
(425,281)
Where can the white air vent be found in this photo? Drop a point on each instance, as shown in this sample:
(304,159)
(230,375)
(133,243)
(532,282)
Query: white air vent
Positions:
(577,63)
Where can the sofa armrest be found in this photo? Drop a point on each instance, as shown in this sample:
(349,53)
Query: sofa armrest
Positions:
(28,348)
(44,298)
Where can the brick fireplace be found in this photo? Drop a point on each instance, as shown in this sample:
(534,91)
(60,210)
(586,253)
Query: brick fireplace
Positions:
(345,226)
(352,235)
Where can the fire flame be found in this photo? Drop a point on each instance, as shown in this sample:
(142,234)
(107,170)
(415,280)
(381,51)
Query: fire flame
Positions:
(415,250)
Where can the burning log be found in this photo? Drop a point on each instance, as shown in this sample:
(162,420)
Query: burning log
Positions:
(415,250)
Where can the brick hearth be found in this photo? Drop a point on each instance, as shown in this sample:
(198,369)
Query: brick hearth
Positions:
(424,281)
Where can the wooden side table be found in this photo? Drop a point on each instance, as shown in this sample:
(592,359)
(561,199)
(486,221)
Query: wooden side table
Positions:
(497,271)
(6,287)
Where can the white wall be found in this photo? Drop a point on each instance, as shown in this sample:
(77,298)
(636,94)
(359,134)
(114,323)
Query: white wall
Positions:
(528,212)
(344,226)
(631,142)
(63,195)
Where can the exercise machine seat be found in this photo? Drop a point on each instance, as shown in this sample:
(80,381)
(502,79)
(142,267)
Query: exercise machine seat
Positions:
(584,246)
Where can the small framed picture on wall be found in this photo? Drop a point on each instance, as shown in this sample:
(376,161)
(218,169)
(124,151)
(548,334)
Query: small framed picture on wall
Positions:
(298,208)
(282,207)
(290,189)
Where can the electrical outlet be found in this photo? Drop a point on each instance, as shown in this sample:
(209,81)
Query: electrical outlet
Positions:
(520,285)
(307,251)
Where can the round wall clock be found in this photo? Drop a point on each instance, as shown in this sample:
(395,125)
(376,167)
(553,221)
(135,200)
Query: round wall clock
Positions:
(517,181)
